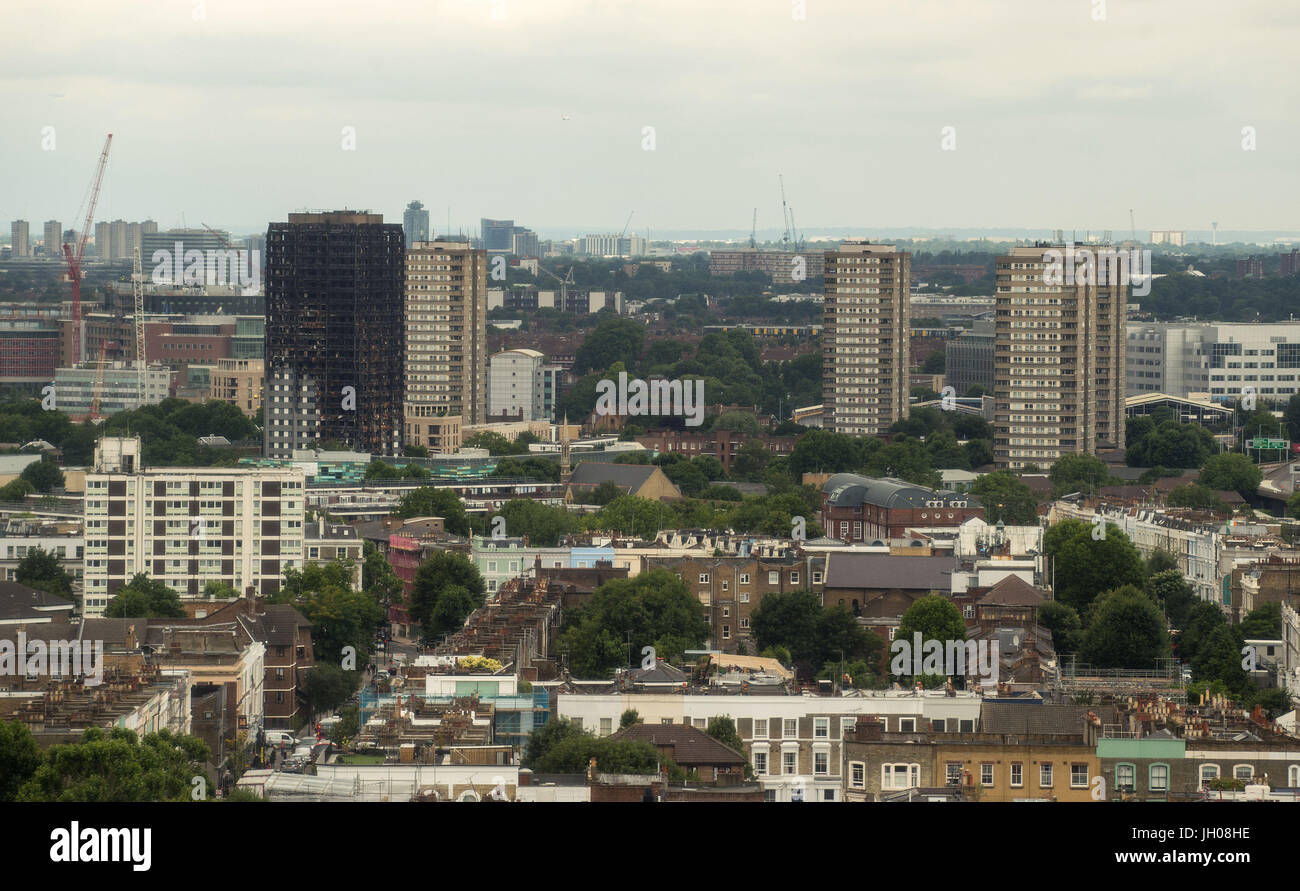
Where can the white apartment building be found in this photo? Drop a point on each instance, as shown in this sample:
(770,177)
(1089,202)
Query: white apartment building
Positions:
(792,742)
(518,385)
(1219,358)
(187,526)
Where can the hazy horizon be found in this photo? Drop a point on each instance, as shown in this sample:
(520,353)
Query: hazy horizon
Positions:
(1060,120)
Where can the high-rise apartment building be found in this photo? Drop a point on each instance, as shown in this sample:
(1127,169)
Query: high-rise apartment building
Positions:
(1058,353)
(53,238)
(20,243)
(521,386)
(335,339)
(187,526)
(865,338)
(415,223)
(446,342)
(121,247)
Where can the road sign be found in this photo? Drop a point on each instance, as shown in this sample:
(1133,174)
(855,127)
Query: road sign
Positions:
(1264,443)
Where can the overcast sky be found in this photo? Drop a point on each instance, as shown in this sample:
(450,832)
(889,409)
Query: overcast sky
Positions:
(232,112)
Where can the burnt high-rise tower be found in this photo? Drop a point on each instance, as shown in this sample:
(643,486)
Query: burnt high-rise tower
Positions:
(335,336)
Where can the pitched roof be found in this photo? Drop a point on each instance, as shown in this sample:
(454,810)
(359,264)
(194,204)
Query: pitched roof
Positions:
(1013,591)
(851,490)
(593,473)
(857,570)
(690,746)
(21,602)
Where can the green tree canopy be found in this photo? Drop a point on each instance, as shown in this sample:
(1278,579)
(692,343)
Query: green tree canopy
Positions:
(144,598)
(435,502)
(1126,630)
(41,570)
(445,572)
(1006,498)
(655,608)
(118,767)
(1082,565)
(1231,471)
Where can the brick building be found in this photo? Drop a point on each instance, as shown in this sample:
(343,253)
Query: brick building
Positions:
(861,509)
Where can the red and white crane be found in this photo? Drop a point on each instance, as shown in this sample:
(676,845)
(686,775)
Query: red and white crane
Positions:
(74,259)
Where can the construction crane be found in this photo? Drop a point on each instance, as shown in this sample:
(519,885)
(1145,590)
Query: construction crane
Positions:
(625,225)
(74,259)
(753,231)
(564,284)
(785,217)
(1132,225)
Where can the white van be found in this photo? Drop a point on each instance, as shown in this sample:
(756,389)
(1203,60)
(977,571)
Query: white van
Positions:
(276,737)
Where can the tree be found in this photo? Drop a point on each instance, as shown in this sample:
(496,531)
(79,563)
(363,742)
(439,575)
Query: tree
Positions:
(1202,620)
(19,758)
(751,460)
(1126,631)
(1006,498)
(935,616)
(342,618)
(1172,592)
(788,620)
(1064,624)
(1263,623)
(1078,473)
(144,598)
(613,340)
(546,737)
(495,443)
(1161,560)
(378,578)
(839,636)
(630,716)
(655,609)
(1083,565)
(443,570)
(16,490)
(630,514)
(723,729)
(454,605)
(1197,497)
(935,363)
(215,590)
(118,767)
(1231,471)
(435,502)
(325,687)
(1219,659)
(40,569)
(544,526)
(1170,444)
(44,475)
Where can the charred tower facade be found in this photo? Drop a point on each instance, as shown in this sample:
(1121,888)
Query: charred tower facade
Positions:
(335,333)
